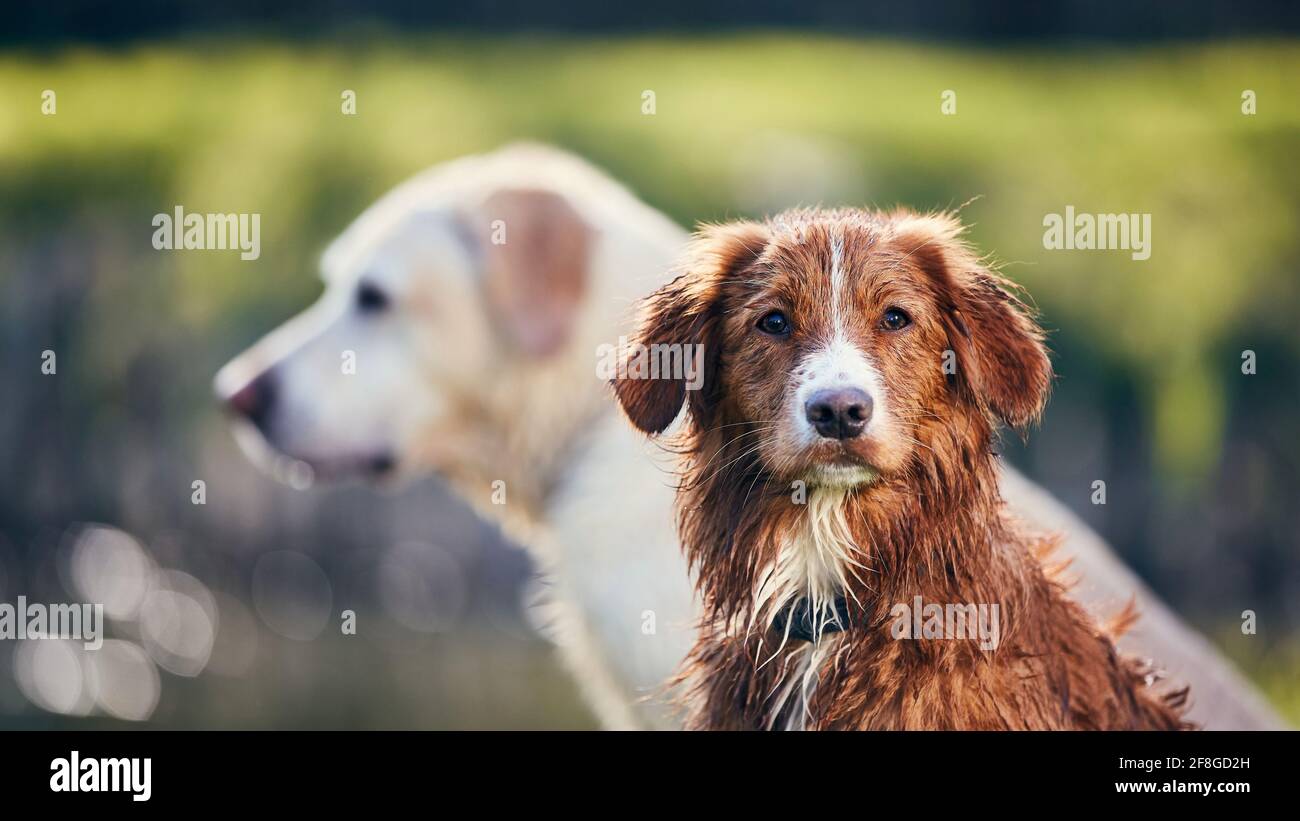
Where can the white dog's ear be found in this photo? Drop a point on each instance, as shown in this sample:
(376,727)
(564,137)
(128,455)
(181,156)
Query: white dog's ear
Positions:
(535,253)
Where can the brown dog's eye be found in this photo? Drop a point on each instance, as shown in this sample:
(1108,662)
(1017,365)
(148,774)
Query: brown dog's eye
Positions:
(774,323)
(895,320)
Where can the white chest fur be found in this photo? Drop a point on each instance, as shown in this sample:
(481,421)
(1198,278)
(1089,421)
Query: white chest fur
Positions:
(814,563)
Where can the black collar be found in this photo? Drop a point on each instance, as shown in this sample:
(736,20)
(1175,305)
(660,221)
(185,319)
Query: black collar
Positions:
(799,617)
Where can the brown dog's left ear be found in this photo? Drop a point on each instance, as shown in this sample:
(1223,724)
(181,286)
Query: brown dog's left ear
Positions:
(684,312)
(535,250)
(998,344)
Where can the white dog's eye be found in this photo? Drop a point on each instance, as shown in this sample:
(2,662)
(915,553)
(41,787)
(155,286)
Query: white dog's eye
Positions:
(370,299)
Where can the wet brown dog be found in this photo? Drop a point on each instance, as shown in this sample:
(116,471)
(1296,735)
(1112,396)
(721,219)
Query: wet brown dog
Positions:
(839,471)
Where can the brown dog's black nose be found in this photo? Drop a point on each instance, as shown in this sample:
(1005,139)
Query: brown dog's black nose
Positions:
(841,413)
(254,400)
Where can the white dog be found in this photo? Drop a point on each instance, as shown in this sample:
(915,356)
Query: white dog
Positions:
(459,333)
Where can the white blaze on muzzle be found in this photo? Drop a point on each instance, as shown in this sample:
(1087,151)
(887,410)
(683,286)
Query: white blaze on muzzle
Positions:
(837,365)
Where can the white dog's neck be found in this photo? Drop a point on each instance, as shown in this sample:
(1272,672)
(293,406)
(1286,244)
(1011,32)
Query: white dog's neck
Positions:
(511,471)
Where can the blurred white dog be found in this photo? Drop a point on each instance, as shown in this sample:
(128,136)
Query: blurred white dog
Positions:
(459,333)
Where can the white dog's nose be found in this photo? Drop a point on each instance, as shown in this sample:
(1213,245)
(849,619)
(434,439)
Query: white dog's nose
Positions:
(254,399)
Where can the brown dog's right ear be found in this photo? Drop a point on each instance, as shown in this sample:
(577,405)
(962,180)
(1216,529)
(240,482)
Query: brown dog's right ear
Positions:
(684,312)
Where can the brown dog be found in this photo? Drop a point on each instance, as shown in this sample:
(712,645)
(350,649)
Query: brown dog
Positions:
(839,472)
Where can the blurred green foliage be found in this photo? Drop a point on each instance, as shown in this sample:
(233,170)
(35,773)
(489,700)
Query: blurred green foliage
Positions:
(235,126)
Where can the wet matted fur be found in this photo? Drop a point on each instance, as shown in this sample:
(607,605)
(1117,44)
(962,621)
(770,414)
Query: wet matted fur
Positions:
(775,516)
